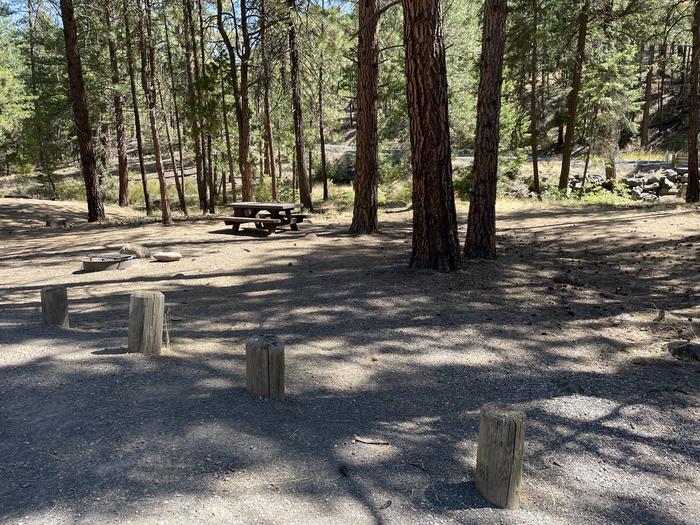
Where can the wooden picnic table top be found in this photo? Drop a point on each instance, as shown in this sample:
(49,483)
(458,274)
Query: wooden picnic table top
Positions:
(270,206)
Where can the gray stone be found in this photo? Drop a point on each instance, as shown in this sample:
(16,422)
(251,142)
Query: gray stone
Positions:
(649,197)
(139,251)
(632,182)
(652,188)
(686,350)
(167,256)
(667,188)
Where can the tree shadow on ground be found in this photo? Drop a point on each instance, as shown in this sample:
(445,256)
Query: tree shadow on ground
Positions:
(374,349)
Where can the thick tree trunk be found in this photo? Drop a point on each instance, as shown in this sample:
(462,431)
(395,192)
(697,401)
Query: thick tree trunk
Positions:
(435,240)
(364,217)
(534,112)
(693,193)
(81,117)
(137,115)
(118,98)
(240,88)
(300,170)
(148,82)
(572,101)
(321,119)
(481,228)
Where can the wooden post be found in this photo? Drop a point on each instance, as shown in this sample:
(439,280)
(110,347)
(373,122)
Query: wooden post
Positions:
(146,322)
(54,306)
(499,457)
(264,367)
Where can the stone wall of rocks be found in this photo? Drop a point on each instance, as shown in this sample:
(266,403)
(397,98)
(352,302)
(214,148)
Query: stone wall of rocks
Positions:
(651,186)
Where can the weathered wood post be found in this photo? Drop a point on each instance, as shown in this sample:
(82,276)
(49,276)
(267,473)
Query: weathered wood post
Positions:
(264,367)
(146,322)
(54,306)
(499,457)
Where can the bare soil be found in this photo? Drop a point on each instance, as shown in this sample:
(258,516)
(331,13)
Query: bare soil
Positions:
(561,325)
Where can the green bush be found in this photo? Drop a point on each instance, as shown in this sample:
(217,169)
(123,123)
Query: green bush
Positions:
(462,183)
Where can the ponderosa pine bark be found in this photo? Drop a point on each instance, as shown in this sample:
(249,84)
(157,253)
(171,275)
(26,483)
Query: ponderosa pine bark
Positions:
(149,88)
(81,117)
(481,227)
(299,168)
(173,165)
(534,110)
(240,89)
(137,115)
(227,134)
(118,100)
(435,238)
(572,100)
(364,216)
(693,192)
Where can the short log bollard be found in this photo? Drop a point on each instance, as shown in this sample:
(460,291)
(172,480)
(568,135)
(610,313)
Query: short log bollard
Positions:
(264,367)
(146,322)
(54,306)
(499,457)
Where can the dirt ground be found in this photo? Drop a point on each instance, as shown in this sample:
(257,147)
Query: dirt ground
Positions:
(561,326)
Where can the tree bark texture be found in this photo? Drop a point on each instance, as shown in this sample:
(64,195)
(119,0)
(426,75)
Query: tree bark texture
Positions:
(435,240)
(481,228)
(81,116)
(364,216)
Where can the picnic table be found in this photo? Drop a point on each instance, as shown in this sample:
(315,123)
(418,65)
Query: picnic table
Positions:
(265,215)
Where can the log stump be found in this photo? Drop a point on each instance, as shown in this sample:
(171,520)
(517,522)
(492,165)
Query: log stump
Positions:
(264,367)
(499,458)
(146,323)
(54,306)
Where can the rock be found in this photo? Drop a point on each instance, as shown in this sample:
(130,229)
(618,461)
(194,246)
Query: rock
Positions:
(667,188)
(649,197)
(637,192)
(167,256)
(671,175)
(653,178)
(632,182)
(683,178)
(141,252)
(56,222)
(652,188)
(686,350)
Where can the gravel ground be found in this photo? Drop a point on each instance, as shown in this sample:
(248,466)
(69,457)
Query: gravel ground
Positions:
(561,325)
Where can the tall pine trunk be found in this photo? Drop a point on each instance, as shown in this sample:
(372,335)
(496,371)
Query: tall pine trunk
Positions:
(435,240)
(534,110)
(175,106)
(481,227)
(169,142)
(227,133)
(267,79)
(693,192)
(644,128)
(118,99)
(137,114)
(81,118)
(300,170)
(193,99)
(149,88)
(364,217)
(572,100)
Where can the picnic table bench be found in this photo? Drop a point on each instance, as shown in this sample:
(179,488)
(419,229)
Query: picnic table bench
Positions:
(265,215)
